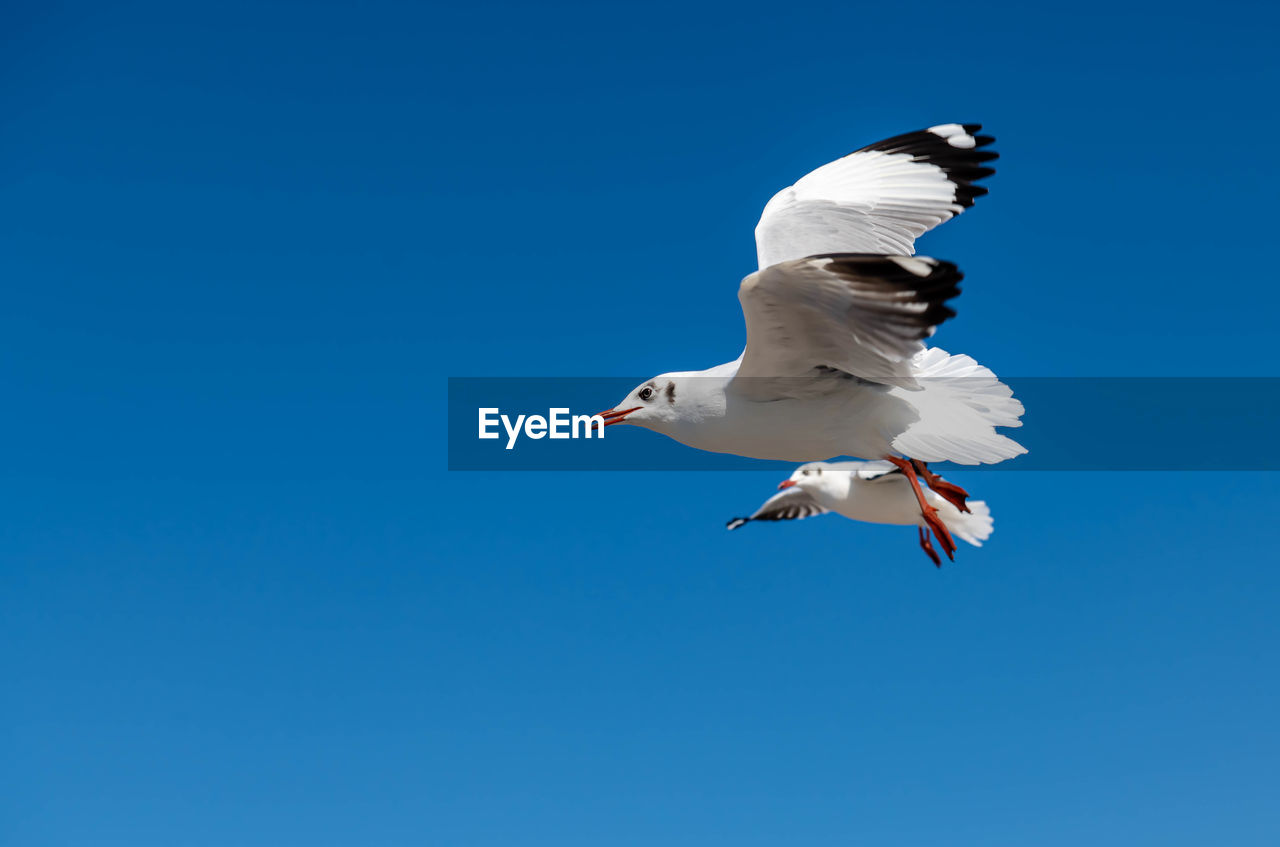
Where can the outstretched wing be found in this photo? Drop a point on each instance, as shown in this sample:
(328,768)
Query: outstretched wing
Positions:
(852,314)
(879,199)
(792,504)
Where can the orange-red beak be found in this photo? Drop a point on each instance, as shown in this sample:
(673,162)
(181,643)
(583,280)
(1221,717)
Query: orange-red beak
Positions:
(613,416)
(786,483)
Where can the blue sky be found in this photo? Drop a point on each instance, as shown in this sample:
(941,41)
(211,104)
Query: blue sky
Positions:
(243,602)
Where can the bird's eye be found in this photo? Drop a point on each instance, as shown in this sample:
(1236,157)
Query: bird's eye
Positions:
(805,471)
(646,393)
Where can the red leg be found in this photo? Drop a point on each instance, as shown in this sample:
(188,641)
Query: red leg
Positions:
(926,544)
(929,513)
(949,491)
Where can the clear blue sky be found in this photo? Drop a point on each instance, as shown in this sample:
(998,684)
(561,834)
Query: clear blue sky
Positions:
(243,603)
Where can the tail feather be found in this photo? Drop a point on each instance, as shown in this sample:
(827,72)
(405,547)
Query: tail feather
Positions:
(960,405)
(973,526)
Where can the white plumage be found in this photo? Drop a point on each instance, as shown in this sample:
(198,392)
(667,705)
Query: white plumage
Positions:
(879,199)
(871,492)
(835,363)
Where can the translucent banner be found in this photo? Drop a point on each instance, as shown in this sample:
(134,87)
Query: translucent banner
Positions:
(1077,423)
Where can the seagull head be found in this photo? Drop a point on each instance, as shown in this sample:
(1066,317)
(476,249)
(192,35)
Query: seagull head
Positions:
(809,476)
(655,403)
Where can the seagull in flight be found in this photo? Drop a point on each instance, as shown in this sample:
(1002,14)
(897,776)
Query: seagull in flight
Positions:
(836,317)
(872,492)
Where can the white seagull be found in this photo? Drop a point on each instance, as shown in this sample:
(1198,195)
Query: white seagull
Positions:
(872,492)
(834,363)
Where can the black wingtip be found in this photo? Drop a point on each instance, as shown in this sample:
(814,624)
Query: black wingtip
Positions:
(966,194)
(963,165)
(930,282)
(734,523)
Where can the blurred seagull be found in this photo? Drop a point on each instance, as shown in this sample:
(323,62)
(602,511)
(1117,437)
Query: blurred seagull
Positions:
(874,492)
(834,363)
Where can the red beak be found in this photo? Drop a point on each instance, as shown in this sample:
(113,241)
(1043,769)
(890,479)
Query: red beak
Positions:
(613,416)
(786,483)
